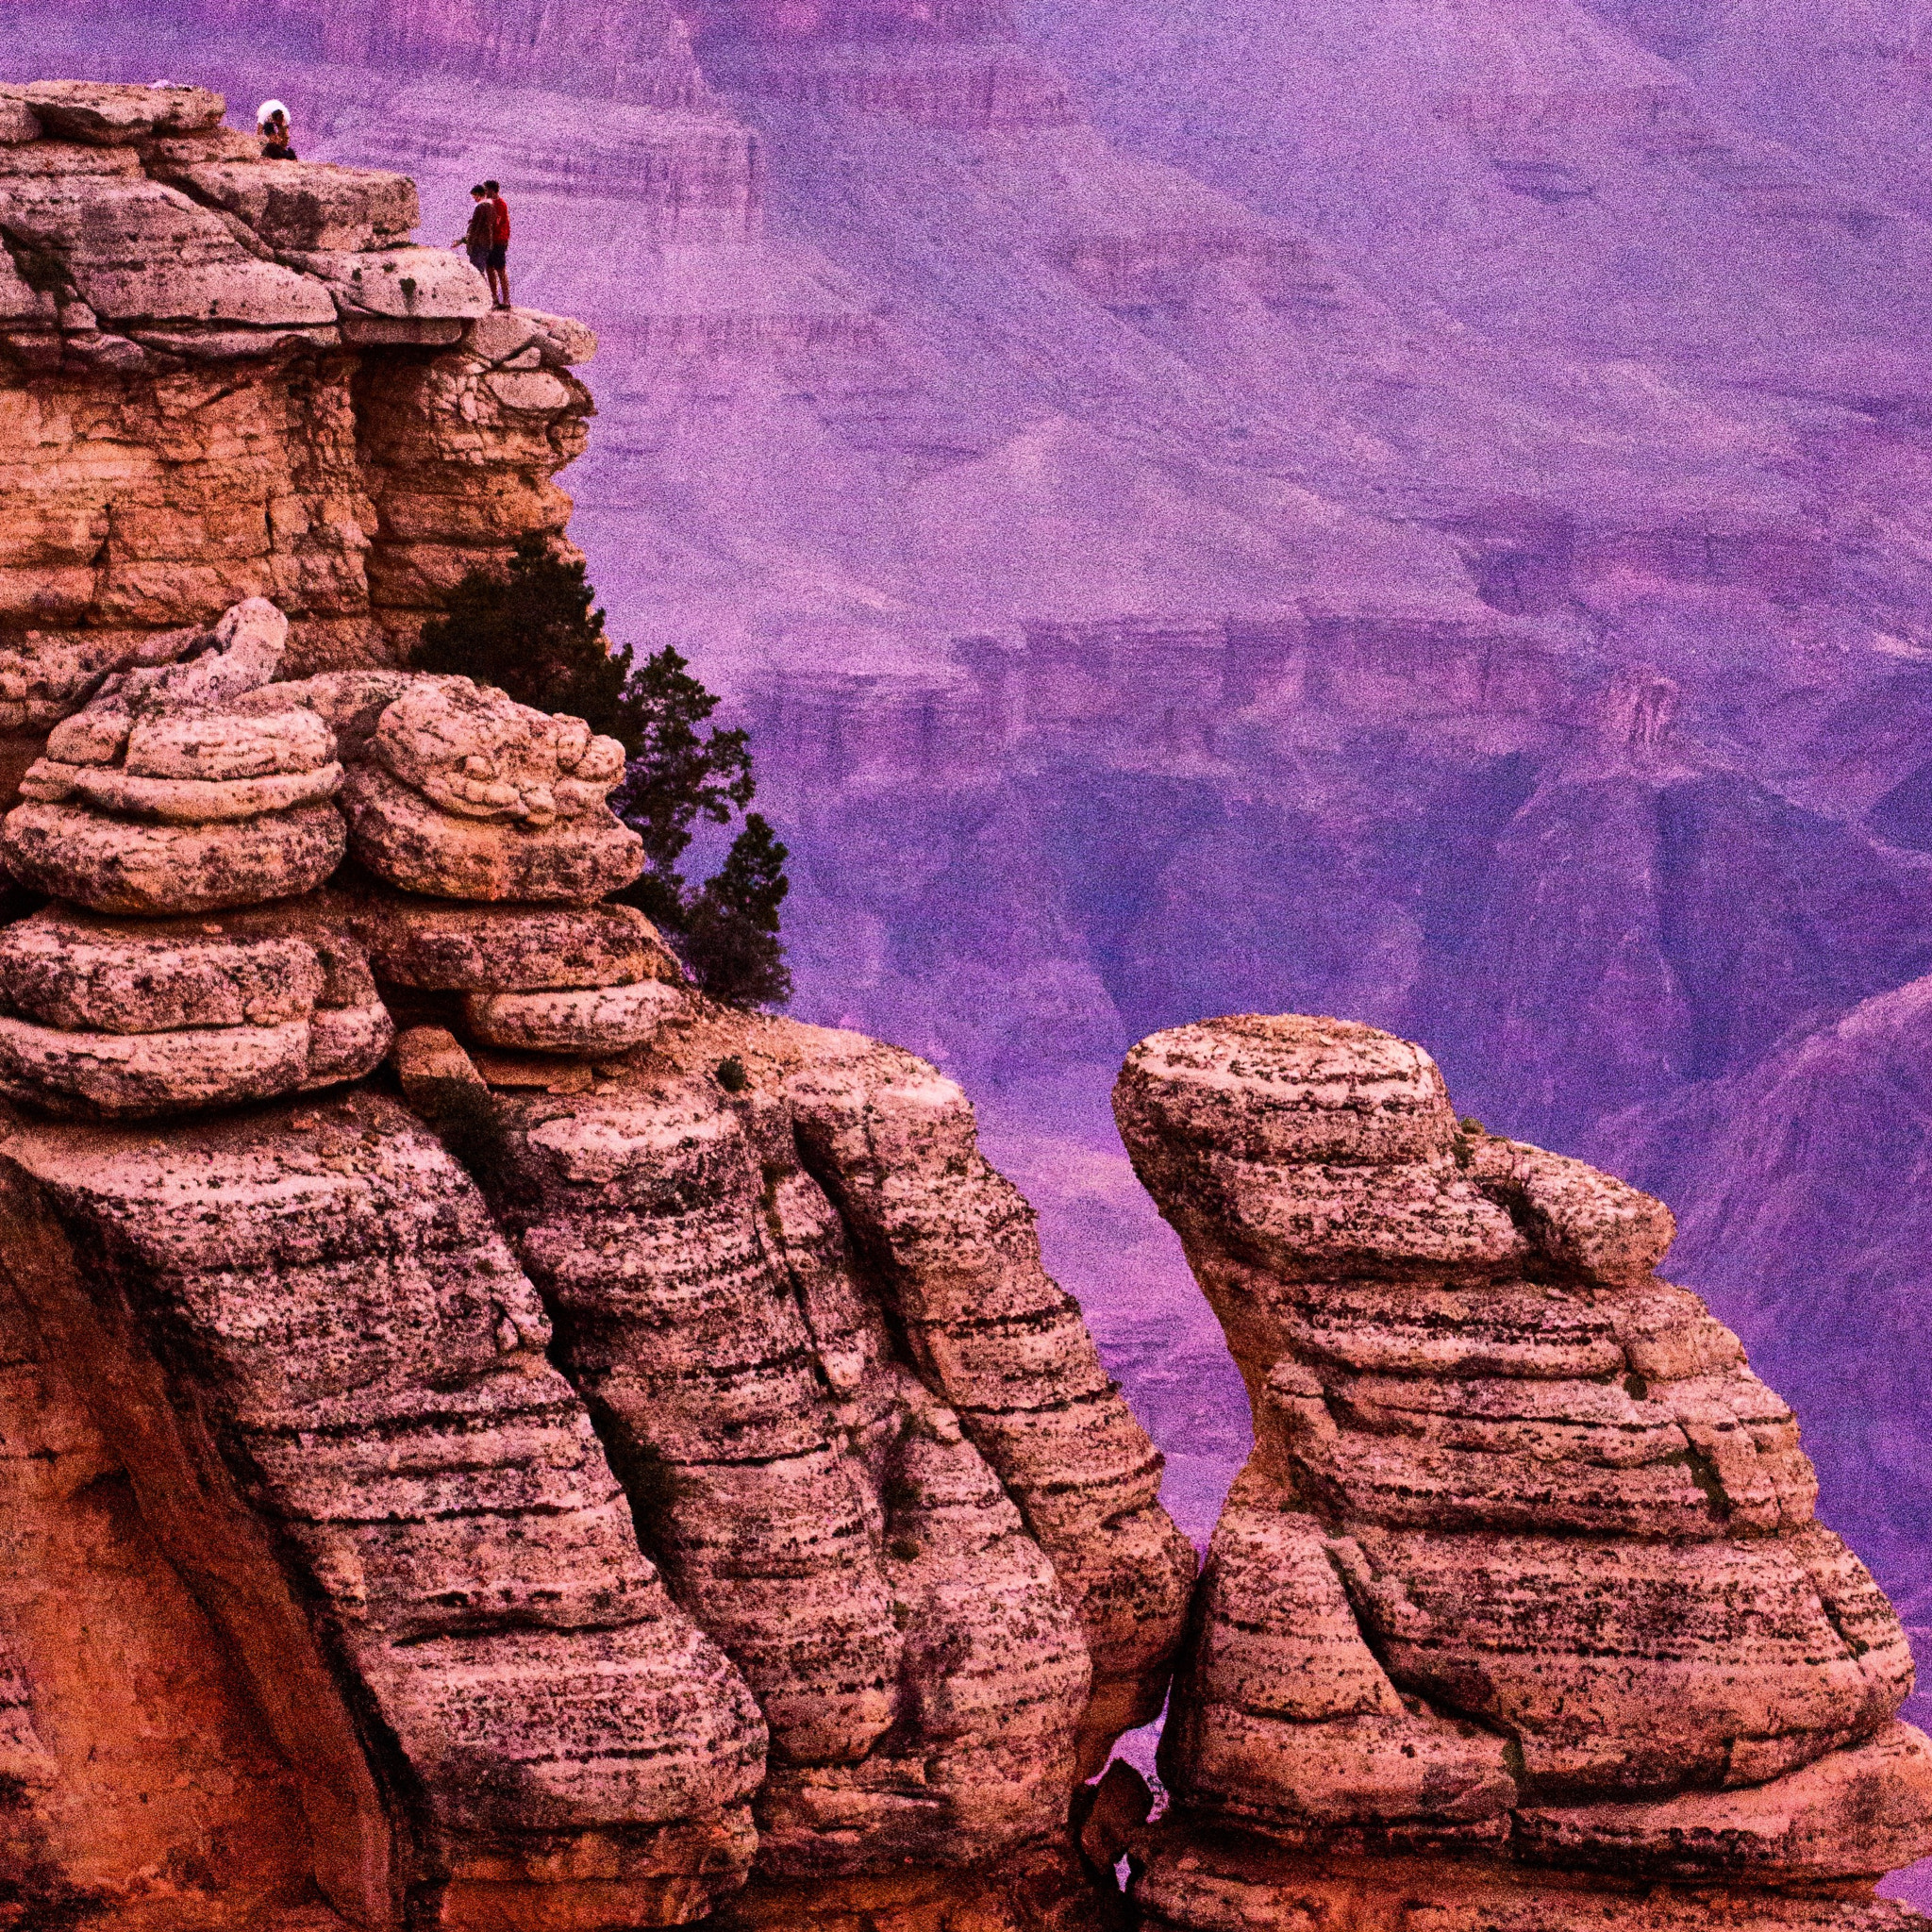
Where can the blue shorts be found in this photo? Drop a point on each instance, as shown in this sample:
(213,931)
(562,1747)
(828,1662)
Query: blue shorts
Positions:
(499,256)
(479,258)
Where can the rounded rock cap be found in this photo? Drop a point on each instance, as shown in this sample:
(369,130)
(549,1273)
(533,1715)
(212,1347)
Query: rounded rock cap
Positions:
(1288,1086)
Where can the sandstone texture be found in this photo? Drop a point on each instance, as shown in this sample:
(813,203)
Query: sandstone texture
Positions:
(467,794)
(617,1495)
(935,1649)
(1525,1563)
(649,1476)
(747,1603)
(223,378)
(366,1364)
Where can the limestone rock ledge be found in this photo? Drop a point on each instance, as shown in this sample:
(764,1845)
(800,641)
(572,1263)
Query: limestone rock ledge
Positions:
(223,378)
(1522,1569)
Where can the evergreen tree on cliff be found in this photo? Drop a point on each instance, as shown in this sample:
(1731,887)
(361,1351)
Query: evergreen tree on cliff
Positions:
(536,633)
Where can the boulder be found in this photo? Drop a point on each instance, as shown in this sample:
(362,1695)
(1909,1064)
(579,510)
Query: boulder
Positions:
(585,1022)
(126,866)
(436,946)
(115,1018)
(68,970)
(405,840)
(184,785)
(473,751)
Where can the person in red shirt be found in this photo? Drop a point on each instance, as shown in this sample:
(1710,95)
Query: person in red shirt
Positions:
(499,245)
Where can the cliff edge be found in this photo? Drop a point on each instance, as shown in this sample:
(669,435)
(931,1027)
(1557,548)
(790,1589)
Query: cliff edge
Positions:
(223,377)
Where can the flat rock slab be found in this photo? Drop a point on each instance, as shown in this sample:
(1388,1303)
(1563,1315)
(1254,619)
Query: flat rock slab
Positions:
(399,284)
(95,976)
(121,865)
(589,1021)
(229,743)
(109,115)
(309,206)
(138,251)
(405,840)
(178,801)
(435,946)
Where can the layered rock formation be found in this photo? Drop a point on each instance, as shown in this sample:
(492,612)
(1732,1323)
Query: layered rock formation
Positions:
(1376,388)
(802,1359)
(218,387)
(653,1470)
(1523,1568)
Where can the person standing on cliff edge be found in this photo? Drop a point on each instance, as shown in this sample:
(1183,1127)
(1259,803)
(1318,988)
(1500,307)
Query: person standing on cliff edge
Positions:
(479,238)
(499,245)
(272,123)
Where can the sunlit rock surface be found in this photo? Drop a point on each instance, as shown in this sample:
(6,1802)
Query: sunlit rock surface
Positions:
(1524,1566)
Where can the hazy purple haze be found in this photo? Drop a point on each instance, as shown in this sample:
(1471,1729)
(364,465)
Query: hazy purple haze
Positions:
(1407,509)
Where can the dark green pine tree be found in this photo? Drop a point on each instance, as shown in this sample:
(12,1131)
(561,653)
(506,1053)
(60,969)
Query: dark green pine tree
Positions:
(535,633)
(731,925)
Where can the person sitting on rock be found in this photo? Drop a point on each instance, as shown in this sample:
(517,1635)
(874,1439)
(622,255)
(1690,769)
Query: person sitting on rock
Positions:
(272,123)
(478,239)
(499,245)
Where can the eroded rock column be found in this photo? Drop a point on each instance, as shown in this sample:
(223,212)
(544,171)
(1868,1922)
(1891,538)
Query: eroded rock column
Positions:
(817,1500)
(1523,1565)
(947,1245)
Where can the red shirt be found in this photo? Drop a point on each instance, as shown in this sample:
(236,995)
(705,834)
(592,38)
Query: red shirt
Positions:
(502,207)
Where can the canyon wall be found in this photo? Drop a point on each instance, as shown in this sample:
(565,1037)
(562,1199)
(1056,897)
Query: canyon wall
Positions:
(581,1458)
(1409,512)
(227,380)
(534,1449)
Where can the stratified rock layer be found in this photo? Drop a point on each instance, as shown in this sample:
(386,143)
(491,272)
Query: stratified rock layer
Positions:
(358,1362)
(232,377)
(936,1638)
(951,1246)
(1524,1560)
(918,1577)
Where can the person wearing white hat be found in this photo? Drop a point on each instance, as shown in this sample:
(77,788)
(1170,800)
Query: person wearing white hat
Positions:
(272,123)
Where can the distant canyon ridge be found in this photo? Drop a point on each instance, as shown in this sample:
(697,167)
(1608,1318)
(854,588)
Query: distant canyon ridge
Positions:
(1417,512)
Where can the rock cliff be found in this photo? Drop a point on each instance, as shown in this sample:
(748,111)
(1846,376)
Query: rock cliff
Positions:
(1522,1569)
(625,1456)
(227,377)
(489,1440)
(1359,390)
